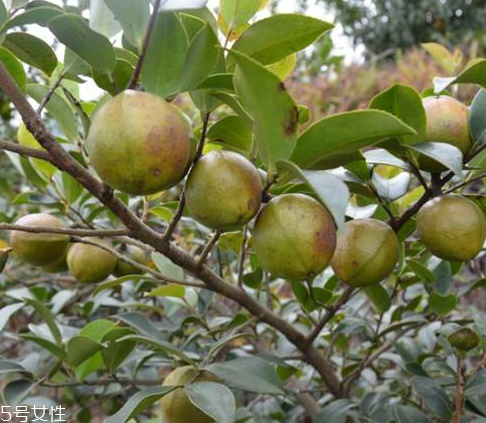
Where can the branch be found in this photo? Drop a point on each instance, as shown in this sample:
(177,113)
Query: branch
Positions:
(63,160)
(49,94)
(25,151)
(209,246)
(136,73)
(64,231)
(465,183)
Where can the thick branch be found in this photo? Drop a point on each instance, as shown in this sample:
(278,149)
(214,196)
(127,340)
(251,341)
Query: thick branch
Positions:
(25,151)
(144,233)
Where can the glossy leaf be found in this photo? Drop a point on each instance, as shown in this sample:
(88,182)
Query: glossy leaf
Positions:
(335,412)
(166,55)
(214,399)
(37,15)
(47,317)
(251,374)
(233,132)
(405,103)
(477,120)
(80,348)
(58,108)
(91,46)
(446,154)
(442,304)
(7,311)
(235,12)
(14,68)
(271,39)
(137,403)
(274,113)
(31,50)
(434,397)
(169,290)
(133,17)
(330,189)
(343,134)
(379,297)
(102,20)
(115,352)
(46,344)
(473,73)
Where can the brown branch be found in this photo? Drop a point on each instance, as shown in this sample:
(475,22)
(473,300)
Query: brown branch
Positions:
(25,151)
(49,93)
(465,183)
(346,295)
(138,68)
(63,160)
(241,261)
(209,246)
(64,231)
(103,382)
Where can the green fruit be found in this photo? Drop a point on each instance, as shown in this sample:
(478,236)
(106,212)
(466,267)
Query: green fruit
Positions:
(366,253)
(39,249)
(134,253)
(90,264)
(26,139)
(452,227)
(138,143)
(294,237)
(58,266)
(223,191)
(447,122)
(464,339)
(176,406)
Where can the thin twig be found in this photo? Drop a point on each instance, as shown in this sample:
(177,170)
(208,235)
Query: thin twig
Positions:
(49,93)
(25,151)
(241,262)
(465,183)
(64,231)
(209,246)
(182,201)
(138,68)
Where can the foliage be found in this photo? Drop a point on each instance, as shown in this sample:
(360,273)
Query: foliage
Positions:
(262,348)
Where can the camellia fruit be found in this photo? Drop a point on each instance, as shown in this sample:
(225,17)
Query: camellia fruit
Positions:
(294,237)
(89,263)
(136,254)
(26,139)
(366,253)
(223,191)
(176,406)
(39,249)
(138,143)
(464,339)
(452,227)
(447,122)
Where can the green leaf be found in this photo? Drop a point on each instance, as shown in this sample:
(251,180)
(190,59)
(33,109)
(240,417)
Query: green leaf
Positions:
(231,131)
(441,55)
(214,399)
(37,15)
(434,397)
(169,290)
(116,282)
(420,270)
(58,108)
(446,154)
(216,347)
(477,119)
(473,73)
(7,366)
(270,40)
(335,412)
(274,113)
(379,297)
(476,385)
(46,344)
(406,414)
(91,46)
(116,80)
(166,55)
(14,68)
(133,17)
(72,189)
(250,374)
(115,352)
(16,391)
(137,403)
(442,304)
(102,20)
(168,268)
(330,189)
(345,133)
(47,317)
(405,103)
(31,50)
(80,348)
(201,59)
(236,12)
(7,311)
(3,14)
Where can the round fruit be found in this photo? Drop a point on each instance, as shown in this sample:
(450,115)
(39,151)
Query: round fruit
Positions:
(39,249)
(90,264)
(452,227)
(294,237)
(223,191)
(26,139)
(176,406)
(136,254)
(447,122)
(464,339)
(58,266)
(366,253)
(138,143)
